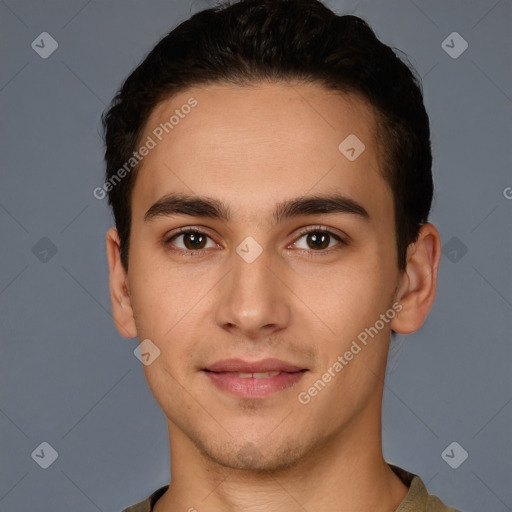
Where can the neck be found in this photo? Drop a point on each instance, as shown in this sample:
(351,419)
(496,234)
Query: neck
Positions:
(345,472)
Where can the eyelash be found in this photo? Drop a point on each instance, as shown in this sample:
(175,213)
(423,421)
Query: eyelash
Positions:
(310,252)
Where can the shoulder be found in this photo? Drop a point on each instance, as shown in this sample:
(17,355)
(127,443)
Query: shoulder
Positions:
(148,504)
(418,499)
(434,504)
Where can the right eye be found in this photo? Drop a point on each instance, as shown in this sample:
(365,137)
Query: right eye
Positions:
(192,240)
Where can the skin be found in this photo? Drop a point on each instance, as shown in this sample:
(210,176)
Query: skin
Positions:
(253,147)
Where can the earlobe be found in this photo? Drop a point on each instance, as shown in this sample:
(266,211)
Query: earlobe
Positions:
(119,294)
(417,289)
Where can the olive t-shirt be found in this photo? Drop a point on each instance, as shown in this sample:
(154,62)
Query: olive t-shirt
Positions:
(416,500)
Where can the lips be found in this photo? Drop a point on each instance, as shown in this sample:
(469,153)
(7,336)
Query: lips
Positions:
(255,375)
(253,379)
(241,366)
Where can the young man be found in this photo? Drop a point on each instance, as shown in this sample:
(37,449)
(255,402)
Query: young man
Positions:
(269,169)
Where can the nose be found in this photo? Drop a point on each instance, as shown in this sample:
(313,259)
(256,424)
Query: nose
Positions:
(254,301)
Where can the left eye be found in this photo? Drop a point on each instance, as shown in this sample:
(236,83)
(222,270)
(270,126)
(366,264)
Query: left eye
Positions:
(318,239)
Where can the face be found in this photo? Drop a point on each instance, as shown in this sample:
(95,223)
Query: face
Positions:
(254,294)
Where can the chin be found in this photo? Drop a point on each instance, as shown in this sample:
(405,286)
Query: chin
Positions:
(254,457)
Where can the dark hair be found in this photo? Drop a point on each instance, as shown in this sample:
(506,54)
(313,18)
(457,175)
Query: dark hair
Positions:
(275,40)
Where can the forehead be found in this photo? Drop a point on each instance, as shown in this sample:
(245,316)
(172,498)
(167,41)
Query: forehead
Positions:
(260,142)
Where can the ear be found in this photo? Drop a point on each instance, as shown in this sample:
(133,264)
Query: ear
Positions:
(119,293)
(417,289)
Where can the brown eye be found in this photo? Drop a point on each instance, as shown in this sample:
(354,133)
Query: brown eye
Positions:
(318,240)
(190,240)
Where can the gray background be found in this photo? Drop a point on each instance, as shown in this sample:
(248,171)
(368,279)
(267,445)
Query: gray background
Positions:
(67,378)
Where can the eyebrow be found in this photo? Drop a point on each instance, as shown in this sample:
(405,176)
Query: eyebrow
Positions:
(201,206)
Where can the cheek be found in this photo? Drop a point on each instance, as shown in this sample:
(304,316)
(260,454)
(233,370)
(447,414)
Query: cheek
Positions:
(162,292)
(350,296)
